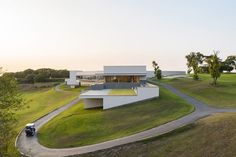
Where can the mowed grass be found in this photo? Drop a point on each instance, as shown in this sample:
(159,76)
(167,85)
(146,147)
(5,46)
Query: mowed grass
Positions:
(223,95)
(40,102)
(122,92)
(78,127)
(212,136)
(77,89)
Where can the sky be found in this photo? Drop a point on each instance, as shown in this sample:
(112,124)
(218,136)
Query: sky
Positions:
(87,34)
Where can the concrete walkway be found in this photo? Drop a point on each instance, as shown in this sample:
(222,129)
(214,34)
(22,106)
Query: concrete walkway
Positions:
(31,147)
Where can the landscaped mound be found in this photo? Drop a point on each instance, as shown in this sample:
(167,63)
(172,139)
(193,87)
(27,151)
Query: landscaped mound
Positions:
(213,136)
(78,127)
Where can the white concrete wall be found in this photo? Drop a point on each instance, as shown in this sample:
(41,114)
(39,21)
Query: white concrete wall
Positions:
(143,78)
(72,80)
(143,93)
(93,102)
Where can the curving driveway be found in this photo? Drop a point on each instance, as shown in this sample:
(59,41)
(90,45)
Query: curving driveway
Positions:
(31,147)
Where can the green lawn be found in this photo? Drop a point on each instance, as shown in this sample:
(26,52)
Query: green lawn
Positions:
(68,88)
(77,126)
(41,99)
(40,102)
(122,92)
(223,95)
(212,136)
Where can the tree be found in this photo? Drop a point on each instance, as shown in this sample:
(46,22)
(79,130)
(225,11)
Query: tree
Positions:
(40,75)
(204,69)
(193,61)
(10,101)
(226,67)
(157,70)
(229,64)
(214,63)
(30,78)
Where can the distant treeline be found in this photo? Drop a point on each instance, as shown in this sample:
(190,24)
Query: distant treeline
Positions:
(40,75)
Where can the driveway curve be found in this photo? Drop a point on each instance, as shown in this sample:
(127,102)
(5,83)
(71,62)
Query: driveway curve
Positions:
(31,147)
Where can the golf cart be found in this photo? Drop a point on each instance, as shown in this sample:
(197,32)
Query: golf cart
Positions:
(30,129)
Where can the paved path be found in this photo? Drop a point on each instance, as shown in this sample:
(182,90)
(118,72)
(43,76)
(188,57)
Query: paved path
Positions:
(31,147)
(58,89)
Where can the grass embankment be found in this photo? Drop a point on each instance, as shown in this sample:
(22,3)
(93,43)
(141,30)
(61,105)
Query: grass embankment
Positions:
(77,126)
(223,95)
(122,92)
(41,99)
(40,102)
(213,136)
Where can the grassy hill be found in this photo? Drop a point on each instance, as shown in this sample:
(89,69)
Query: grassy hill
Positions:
(213,136)
(77,126)
(223,95)
(40,99)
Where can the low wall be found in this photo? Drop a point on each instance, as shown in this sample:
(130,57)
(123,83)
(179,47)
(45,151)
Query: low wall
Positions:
(121,85)
(143,93)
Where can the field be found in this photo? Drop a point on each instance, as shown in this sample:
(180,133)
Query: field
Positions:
(223,95)
(77,126)
(122,92)
(213,136)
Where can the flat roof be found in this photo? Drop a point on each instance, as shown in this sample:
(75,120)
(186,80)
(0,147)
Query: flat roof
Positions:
(89,73)
(124,74)
(96,92)
(125,70)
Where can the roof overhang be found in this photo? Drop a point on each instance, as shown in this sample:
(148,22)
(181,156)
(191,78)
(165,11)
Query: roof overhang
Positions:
(124,74)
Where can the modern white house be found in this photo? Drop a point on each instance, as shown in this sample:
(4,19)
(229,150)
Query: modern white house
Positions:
(78,78)
(120,78)
(116,79)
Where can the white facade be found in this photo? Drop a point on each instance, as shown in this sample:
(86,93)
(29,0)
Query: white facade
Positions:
(143,93)
(73,81)
(78,78)
(101,98)
(133,77)
(94,77)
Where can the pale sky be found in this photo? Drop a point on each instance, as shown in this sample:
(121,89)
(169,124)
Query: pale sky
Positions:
(87,34)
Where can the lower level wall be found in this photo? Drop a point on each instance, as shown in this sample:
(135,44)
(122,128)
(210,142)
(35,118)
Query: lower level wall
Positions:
(93,102)
(143,93)
(70,82)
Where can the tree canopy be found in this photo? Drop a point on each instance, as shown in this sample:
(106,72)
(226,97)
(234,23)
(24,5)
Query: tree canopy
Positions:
(194,59)
(40,75)
(157,70)
(228,64)
(10,101)
(214,66)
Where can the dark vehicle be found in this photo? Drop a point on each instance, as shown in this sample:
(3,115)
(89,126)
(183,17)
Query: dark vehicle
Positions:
(30,129)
